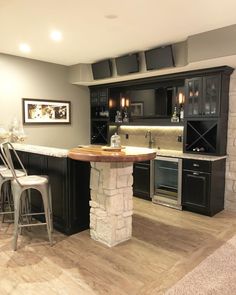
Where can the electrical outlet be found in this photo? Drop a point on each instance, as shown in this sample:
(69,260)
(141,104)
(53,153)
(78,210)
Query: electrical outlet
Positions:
(179,138)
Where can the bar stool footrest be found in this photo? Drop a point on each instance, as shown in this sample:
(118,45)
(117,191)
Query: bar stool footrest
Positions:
(32,224)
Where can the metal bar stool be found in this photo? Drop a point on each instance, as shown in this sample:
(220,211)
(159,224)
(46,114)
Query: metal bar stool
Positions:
(6,200)
(4,192)
(23,184)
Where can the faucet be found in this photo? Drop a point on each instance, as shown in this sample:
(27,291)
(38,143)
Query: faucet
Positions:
(151,140)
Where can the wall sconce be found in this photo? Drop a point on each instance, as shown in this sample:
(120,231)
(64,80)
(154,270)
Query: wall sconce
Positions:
(122,102)
(111,103)
(181,98)
(127,102)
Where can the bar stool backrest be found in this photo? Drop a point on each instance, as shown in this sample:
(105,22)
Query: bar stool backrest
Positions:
(3,161)
(6,148)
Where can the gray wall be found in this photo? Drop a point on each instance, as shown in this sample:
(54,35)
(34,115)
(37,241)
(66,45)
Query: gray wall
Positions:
(212,44)
(27,78)
(82,73)
(208,47)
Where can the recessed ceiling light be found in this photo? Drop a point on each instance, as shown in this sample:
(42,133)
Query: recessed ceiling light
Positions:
(56,35)
(111,16)
(24,48)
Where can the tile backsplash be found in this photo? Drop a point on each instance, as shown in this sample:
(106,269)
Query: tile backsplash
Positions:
(165,137)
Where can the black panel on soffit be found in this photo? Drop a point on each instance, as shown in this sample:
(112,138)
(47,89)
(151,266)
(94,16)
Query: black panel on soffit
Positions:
(159,58)
(102,69)
(127,64)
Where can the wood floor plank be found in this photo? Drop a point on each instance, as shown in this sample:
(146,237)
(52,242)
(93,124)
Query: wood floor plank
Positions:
(166,244)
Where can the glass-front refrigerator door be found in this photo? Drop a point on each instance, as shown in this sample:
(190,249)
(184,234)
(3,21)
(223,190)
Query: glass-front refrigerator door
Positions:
(167,181)
(166,178)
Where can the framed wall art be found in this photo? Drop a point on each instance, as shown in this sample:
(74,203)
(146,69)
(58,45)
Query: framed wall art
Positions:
(40,111)
(136,109)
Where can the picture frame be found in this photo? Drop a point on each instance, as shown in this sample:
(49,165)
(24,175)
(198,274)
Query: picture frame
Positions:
(136,108)
(40,111)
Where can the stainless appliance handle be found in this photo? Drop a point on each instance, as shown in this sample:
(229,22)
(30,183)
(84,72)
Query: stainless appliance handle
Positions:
(196,173)
(151,179)
(180,164)
(169,159)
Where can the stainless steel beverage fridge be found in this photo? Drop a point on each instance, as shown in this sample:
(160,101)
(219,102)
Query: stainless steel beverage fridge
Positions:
(167,181)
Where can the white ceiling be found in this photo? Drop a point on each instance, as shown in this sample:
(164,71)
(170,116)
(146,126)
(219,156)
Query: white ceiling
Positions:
(89,36)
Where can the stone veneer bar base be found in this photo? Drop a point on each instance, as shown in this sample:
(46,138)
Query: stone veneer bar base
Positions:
(111,202)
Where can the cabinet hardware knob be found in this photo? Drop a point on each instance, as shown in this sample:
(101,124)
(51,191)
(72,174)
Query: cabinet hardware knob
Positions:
(196,165)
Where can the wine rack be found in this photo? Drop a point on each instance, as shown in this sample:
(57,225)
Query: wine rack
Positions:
(201,136)
(99,132)
(99,104)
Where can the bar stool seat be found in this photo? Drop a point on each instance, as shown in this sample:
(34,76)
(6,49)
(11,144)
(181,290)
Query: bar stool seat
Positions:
(2,168)
(21,184)
(8,174)
(30,180)
(39,183)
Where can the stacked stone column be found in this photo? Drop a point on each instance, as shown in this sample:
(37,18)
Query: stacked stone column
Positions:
(111,202)
(230,188)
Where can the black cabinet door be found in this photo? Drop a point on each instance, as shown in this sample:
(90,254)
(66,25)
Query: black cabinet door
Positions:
(58,178)
(99,103)
(203,186)
(203,96)
(141,186)
(37,164)
(23,157)
(69,182)
(193,103)
(78,207)
(195,193)
(99,115)
(211,96)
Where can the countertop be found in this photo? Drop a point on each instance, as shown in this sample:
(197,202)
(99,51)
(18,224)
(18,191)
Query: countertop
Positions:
(180,154)
(63,153)
(41,150)
(97,154)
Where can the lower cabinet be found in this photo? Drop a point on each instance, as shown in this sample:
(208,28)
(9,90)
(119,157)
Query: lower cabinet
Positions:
(203,186)
(141,185)
(69,181)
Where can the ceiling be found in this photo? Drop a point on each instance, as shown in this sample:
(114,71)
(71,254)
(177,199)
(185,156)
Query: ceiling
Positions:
(93,30)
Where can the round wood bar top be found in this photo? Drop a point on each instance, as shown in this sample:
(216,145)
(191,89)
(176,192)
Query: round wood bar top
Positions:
(93,153)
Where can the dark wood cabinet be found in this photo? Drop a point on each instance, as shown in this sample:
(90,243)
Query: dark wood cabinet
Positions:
(99,115)
(206,112)
(69,182)
(203,186)
(195,189)
(99,131)
(79,191)
(211,96)
(141,185)
(206,96)
(57,171)
(203,96)
(193,102)
(99,103)
(205,136)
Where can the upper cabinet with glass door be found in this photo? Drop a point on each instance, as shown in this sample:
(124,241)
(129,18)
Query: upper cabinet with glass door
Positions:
(203,96)
(193,97)
(211,97)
